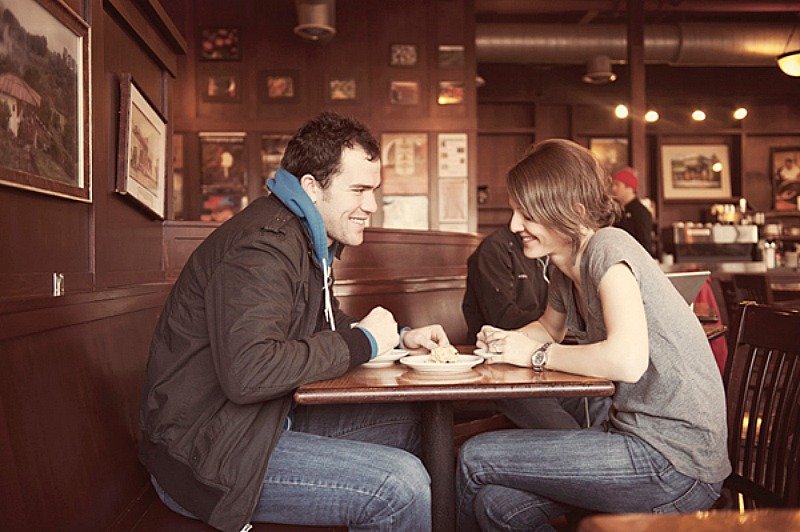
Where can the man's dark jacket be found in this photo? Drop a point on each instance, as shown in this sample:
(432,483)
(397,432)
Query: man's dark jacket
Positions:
(240,331)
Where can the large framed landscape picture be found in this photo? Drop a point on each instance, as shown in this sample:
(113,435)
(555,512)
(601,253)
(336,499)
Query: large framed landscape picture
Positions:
(695,171)
(44,99)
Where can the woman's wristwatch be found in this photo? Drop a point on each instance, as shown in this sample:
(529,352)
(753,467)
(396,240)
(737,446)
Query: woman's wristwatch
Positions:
(539,357)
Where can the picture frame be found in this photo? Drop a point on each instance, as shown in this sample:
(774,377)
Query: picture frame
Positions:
(404,92)
(450,93)
(403,55)
(451,154)
(450,56)
(695,171)
(272,148)
(278,86)
(220,87)
(342,89)
(453,200)
(784,171)
(405,163)
(219,44)
(142,150)
(223,162)
(53,155)
(612,152)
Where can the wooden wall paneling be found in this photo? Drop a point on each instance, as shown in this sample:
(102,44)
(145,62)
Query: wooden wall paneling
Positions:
(552,121)
(69,397)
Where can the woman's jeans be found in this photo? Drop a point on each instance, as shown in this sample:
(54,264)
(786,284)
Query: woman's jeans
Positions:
(344,465)
(521,479)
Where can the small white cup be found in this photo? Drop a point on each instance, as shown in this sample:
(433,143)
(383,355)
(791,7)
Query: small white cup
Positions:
(667,259)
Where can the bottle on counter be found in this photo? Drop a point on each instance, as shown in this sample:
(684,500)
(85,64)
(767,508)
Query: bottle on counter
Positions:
(770,255)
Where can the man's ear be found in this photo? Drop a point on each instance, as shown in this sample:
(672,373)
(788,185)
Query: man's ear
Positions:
(311,186)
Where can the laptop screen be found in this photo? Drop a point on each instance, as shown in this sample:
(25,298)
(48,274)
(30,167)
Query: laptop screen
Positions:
(688,284)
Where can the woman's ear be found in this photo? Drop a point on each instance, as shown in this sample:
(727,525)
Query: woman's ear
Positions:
(580,209)
(311,186)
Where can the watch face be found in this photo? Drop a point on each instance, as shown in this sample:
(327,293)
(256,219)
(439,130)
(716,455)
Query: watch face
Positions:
(538,358)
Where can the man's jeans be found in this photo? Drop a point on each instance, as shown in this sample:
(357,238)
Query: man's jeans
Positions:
(344,465)
(521,479)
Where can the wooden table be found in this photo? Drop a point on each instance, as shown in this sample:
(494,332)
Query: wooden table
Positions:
(436,395)
(765,520)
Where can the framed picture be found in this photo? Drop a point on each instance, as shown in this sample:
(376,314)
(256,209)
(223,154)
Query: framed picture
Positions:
(272,148)
(404,93)
(452,154)
(44,100)
(695,171)
(342,89)
(221,206)
(220,44)
(223,163)
(278,86)
(141,170)
(450,93)
(221,88)
(405,163)
(405,212)
(611,152)
(450,56)
(785,172)
(453,200)
(403,55)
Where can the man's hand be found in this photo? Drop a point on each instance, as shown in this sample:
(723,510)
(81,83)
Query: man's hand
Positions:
(428,337)
(383,327)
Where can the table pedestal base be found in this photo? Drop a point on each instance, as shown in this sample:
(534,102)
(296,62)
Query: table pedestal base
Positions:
(439,459)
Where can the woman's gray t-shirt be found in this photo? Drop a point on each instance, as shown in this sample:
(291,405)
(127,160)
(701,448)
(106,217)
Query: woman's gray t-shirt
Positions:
(678,405)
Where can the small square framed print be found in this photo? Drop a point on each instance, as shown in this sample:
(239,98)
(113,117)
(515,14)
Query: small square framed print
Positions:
(220,87)
(278,86)
(404,93)
(450,56)
(403,55)
(220,44)
(342,89)
(450,93)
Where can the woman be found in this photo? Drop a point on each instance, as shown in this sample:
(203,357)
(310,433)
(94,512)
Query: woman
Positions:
(663,447)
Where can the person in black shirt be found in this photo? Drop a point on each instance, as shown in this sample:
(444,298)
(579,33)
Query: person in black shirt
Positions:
(636,218)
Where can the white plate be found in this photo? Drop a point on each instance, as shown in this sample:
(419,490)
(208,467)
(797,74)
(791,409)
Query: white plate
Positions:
(423,364)
(387,359)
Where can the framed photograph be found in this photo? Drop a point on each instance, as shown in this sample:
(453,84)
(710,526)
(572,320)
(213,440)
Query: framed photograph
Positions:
(450,56)
(612,152)
(342,89)
(221,88)
(141,170)
(404,93)
(785,172)
(223,163)
(452,154)
(221,206)
(405,163)
(220,44)
(272,148)
(45,99)
(450,93)
(695,171)
(403,55)
(405,212)
(453,200)
(278,86)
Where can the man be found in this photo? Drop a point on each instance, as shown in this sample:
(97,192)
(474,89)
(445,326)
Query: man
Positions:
(504,288)
(250,319)
(636,218)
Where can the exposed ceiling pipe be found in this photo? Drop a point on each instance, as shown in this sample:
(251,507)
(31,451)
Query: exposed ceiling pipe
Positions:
(684,44)
(526,7)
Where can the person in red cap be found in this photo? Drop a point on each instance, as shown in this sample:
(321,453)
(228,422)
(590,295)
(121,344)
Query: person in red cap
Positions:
(636,218)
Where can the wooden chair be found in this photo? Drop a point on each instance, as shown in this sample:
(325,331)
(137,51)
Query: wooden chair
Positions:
(762,387)
(756,287)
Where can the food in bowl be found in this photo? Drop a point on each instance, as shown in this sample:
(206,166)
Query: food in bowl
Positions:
(444,354)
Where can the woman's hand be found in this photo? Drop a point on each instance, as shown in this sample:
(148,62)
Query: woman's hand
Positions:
(511,347)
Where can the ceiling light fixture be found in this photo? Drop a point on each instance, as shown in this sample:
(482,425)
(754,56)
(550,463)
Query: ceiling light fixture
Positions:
(740,113)
(316,19)
(698,115)
(651,116)
(621,111)
(789,62)
(598,71)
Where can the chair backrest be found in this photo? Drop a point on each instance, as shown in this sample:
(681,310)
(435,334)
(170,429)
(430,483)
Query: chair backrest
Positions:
(753,287)
(762,386)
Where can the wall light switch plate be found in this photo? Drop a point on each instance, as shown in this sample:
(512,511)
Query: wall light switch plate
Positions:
(58,284)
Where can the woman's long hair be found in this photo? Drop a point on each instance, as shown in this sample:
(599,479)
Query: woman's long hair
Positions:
(561,185)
